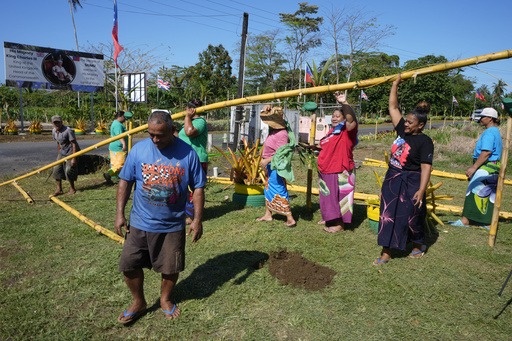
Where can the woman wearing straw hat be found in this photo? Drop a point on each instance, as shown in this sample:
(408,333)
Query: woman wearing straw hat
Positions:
(483,174)
(276,158)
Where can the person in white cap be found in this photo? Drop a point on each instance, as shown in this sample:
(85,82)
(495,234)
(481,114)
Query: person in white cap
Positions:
(483,174)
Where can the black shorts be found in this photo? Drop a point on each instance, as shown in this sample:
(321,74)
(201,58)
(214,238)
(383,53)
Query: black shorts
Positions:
(164,252)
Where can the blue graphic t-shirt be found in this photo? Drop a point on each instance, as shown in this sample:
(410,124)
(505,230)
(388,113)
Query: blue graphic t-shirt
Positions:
(162,178)
(490,141)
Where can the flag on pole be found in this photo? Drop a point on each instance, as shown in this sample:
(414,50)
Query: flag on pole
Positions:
(480,96)
(363,96)
(117,48)
(454,100)
(163,84)
(309,76)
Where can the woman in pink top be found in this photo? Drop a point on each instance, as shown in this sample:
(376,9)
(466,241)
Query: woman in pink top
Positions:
(336,168)
(278,141)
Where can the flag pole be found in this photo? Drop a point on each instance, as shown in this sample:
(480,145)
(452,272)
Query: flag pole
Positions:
(157,93)
(115,70)
(360,108)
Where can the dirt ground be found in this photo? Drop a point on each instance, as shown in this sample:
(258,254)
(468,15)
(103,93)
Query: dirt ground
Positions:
(292,268)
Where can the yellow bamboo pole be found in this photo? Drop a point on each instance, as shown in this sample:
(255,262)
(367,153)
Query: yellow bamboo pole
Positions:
(443,174)
(298,92)
(499,189)
(364,196)
(312,132)
(88,221)
(130,127)
(25,194)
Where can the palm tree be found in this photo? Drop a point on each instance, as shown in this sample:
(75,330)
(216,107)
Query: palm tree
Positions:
(498,91)
(72,7)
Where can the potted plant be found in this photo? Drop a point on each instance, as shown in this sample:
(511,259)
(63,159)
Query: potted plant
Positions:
(80,126)
(11,127)
(101,127)
(246,174)
(36,127)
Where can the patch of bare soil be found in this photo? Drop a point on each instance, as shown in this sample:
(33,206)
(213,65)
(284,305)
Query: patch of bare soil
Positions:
(292,268)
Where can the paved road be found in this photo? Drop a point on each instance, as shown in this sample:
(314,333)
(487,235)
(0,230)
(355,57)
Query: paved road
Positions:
(19,158)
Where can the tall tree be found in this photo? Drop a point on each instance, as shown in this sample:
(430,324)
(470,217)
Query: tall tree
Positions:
(374,65)
(436,88)
(72,7)
(359,32)
(214,71)
(264,61)
(304,36)
(336,23)
(498,90)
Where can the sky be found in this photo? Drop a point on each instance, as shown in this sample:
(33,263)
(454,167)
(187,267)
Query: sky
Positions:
(177,31)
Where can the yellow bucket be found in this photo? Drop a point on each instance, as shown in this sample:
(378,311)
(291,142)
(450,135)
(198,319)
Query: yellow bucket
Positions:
(373,209)
(249,189)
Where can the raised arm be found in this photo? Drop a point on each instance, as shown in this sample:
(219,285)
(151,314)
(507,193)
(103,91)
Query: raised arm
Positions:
(190,130)
(394,111)
(348,112)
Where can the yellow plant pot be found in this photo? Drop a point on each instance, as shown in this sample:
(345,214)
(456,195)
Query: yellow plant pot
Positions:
(249,189)
(373,213)
(79,132)
(101,131)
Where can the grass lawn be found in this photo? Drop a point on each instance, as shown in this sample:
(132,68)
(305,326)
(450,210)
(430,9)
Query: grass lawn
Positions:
(59,278)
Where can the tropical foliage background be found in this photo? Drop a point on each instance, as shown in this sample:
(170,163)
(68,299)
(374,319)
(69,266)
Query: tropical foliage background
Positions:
(339,47)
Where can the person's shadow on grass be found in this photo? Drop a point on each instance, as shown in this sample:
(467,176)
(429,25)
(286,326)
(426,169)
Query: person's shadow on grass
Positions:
(215,272)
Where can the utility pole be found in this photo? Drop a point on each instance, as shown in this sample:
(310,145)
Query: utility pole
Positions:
(240,94)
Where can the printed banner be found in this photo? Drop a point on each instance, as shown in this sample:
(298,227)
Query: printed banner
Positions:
(47,68)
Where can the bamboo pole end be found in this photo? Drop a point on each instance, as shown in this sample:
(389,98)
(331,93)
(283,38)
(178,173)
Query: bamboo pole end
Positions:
(492,240)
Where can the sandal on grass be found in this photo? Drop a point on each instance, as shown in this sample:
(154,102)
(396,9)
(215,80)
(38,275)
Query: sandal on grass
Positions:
(417,254)
(171,312)
(457,223)
(379,262)
(131,317)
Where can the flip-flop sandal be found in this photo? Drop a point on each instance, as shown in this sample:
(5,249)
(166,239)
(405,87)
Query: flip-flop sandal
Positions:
(379,262)
(457,223)
(414,253)
(321,222)
(170,312)
(131,316)
(331,230)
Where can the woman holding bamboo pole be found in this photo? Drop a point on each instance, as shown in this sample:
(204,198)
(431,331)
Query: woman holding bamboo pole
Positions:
(336,178)
(483,174)
(402,202)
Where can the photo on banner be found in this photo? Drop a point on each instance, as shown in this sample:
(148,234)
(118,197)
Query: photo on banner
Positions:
(36,67)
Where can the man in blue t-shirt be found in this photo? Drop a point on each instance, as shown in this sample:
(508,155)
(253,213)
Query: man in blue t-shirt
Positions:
(162,167)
